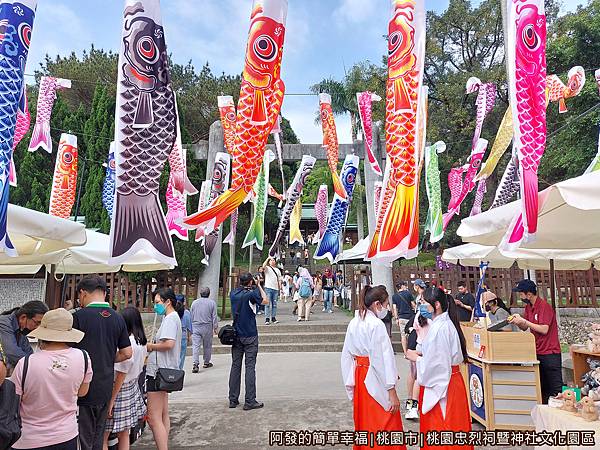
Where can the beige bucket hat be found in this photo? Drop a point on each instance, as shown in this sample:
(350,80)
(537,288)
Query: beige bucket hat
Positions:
(488,296)
(57,326)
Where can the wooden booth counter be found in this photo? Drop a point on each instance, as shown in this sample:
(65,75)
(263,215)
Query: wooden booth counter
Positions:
(502,377)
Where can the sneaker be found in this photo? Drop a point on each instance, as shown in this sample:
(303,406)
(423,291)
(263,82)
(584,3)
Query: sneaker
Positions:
(412,413)
(259,313)
(255,405)
(233,404)
(324,310)
(207,365)
(330,311)
(299,319)
(267,322)
(274,320)
(196,368)
(408,404)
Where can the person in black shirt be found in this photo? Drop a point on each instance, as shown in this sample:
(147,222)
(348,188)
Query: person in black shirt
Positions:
(465,302)
(107,341)
(403,309)
(245,300)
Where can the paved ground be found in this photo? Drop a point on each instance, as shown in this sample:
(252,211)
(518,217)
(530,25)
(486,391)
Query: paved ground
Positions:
(301,391)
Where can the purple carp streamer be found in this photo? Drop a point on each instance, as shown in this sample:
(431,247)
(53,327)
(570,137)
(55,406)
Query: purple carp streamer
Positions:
(40,137)
(526,63)
(218,185)
(108,187)
(486,98)
(365,110)
(145,133)
(509,183)
(479,194)
(202,202)
(322,208)
(16,19)
(291,197)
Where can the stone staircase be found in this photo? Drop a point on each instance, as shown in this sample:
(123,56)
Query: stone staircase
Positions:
(303,337)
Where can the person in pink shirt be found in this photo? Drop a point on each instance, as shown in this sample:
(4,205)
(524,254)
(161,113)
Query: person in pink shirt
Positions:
(49,382)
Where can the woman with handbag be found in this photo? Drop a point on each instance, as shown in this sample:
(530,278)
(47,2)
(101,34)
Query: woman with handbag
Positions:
(163,358)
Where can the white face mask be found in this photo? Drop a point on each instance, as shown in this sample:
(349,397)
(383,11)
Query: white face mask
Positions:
(381,313)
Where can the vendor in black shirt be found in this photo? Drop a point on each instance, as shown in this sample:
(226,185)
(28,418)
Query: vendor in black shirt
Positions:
(403,309)
(465,302)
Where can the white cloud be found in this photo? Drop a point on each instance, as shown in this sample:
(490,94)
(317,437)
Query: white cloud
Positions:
(56,28)
(354,11)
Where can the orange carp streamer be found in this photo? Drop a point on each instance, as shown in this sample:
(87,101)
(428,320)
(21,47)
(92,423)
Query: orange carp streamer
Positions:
(261,97)
(399,206)
(62,197)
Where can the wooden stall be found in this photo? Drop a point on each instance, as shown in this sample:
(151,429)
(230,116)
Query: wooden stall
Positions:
(502,378)
(580,355)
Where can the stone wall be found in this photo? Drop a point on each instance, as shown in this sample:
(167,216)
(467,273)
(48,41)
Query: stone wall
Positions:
(16,291)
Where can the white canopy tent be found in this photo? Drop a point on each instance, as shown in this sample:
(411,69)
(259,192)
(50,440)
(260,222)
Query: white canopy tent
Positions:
(359,251)
(569,214)
(526,259)
(35,235)
(89,258)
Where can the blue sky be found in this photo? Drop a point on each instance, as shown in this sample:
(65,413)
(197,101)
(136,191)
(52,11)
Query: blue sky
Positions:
(322,37)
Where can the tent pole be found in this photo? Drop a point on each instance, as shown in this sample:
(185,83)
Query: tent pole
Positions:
(553,291)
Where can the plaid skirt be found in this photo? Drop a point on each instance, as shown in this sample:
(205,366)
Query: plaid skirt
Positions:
(128,410)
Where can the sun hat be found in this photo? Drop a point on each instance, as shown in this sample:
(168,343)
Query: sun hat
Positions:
(488,296)
(57,326)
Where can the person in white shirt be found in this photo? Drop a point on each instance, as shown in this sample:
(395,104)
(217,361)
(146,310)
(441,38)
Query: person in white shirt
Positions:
(272,288)
(443,397)
(286,287)
(126,407)
(369,367)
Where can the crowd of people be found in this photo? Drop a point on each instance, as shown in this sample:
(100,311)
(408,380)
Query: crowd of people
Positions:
(434,344)
(97,374)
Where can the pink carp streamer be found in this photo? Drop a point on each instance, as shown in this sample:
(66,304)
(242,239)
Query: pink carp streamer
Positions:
(468,184)
(486,98)
(178,164)
(273,193)
(526,62)
(365,110)
(21,129)
(176,206)
(202,202)
(556,91)
(40,136)
(322,209)
(230,238)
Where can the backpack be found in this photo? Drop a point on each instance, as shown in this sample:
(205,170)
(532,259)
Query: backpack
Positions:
(305,290)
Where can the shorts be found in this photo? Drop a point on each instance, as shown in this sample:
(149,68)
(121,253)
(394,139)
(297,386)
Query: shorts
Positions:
(402,324)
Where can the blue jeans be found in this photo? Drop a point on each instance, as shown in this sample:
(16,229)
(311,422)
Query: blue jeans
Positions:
(271,307)
(328,299)
(183,350)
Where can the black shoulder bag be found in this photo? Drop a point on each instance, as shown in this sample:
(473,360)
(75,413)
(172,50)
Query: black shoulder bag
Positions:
(227,334)
(10,418)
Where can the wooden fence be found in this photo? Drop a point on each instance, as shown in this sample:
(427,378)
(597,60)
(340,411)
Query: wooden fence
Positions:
(576,288)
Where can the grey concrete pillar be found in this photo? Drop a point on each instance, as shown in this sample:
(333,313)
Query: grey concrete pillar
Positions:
(381,274)
(211,274)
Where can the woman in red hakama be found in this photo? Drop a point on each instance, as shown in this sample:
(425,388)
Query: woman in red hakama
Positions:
(443,398)
(370,374)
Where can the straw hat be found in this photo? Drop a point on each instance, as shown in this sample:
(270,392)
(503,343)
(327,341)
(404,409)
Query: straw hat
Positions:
(57,326)
(488,296)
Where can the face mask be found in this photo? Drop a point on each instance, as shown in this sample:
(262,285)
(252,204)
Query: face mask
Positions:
(526,301)
(25,331)
(160,309)
(425,312)
(381,313)
(488,308)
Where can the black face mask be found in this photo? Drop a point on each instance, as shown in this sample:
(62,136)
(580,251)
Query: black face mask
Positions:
(526,301)
(488,308)
(25,331)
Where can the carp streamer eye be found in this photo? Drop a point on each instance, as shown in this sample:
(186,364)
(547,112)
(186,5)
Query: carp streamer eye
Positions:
(111,164)
(530,37)
(394,42)
(350,178)
(67,157)
(147,49)
(265,48)
(25,34)
(324,115)
(230,116)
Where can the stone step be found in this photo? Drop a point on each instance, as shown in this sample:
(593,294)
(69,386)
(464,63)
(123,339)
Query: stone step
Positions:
(303,327)
(294,347)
